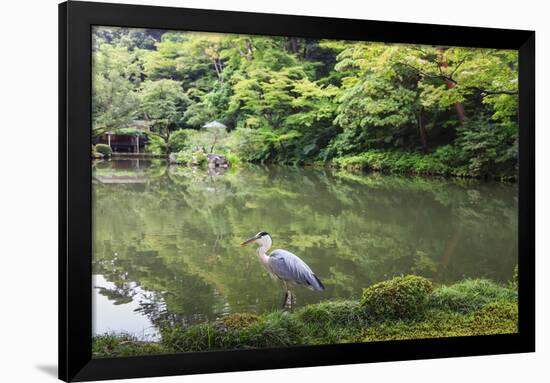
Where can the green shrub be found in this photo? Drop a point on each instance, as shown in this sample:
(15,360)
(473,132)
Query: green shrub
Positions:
(399,298)
(469,295)
(233,158)
(155,144)
(489,146)
(179,140)
(95,153)
(191,158)
(103,149)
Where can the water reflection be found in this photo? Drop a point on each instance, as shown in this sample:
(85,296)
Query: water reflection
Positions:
(173,232)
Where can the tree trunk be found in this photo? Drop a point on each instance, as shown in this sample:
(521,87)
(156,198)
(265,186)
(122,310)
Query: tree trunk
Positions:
(293,44)
(422,131)
(213,144)
(444,64)
(249,49)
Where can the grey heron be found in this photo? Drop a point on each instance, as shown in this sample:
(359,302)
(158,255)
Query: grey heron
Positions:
(282,264)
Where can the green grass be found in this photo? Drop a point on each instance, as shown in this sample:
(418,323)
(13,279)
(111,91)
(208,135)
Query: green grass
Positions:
(469,295)
(470,307)
(113,345)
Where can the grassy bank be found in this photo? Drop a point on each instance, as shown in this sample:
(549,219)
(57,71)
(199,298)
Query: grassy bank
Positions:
(444,162)
(401,308)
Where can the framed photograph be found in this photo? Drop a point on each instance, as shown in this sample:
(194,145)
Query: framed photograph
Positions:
(246,191)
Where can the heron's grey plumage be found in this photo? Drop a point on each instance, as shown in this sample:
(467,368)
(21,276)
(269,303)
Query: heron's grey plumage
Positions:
(284,265)
(290,268)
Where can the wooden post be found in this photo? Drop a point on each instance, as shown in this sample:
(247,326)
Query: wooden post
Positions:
(109,140)
(137,144)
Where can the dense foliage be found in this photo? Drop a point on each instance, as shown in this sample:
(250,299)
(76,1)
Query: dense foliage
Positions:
(451,110)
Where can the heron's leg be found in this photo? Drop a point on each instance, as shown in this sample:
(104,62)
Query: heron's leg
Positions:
(285,298)
(288,302)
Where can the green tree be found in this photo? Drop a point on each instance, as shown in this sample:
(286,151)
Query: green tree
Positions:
(115,75)
(163,102)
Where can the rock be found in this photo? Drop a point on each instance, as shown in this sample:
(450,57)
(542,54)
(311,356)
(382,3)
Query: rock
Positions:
(173,158)
(217,161)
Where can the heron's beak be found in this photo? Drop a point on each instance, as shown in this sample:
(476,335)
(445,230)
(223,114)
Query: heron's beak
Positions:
(249,240)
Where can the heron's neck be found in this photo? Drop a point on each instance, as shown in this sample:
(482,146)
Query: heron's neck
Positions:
(262,255)
(262,251)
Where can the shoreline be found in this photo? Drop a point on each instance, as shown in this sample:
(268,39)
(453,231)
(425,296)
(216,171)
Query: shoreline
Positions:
(341,165)
(400,308)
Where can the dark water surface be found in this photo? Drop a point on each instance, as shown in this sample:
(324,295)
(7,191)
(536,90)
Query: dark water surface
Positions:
(166,239)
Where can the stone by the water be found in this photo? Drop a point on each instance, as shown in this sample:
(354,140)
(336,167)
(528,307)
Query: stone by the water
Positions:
(217,160)
(173,158)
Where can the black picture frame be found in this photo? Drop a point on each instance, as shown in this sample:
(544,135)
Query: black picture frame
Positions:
(75,267)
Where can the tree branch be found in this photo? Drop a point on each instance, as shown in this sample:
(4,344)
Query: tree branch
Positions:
(487,92)
(431,75)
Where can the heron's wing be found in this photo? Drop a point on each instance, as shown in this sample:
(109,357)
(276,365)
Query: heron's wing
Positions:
(289,267)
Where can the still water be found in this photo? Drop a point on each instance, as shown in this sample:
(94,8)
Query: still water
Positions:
(166,238)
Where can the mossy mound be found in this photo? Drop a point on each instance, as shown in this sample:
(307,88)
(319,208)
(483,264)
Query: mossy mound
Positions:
(239,320)
(398,298)
(494,318)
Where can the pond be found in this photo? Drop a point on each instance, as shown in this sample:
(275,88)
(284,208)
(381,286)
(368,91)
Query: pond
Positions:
(166,238)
